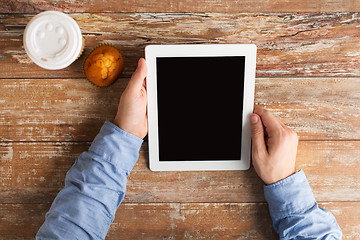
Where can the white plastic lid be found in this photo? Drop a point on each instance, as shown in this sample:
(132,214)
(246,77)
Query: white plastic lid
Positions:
(52,40)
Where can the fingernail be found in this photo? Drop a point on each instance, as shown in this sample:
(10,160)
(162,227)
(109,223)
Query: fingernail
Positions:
(139,63)
(254,119)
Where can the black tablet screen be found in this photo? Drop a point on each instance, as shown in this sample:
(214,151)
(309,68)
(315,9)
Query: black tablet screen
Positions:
(200,103)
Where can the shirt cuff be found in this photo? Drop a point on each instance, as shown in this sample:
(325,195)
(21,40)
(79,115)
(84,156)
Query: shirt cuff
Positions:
(289,196)
(114,145)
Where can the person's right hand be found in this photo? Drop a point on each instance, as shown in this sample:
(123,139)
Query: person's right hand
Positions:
(274,147)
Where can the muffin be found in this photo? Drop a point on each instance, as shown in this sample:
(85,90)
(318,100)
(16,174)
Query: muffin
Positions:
(103,65)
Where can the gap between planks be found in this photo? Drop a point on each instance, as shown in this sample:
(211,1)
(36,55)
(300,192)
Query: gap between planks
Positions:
(159,203)
(136,6)
(128,78)
(182,13)
(145,141)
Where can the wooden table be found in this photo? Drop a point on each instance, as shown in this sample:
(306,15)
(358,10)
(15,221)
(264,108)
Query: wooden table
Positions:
(308,73)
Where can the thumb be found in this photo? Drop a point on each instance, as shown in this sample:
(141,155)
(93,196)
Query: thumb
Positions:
(257,135)
(138,77)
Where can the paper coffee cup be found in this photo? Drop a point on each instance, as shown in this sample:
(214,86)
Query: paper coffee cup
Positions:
(53,40)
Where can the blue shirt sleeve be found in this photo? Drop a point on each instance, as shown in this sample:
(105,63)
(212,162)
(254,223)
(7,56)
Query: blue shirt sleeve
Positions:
(296,214)
(94,187)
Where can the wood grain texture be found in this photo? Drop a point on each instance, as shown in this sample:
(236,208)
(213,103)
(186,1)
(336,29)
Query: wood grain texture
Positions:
(21,6)
(308,74)
(289,44)
(316,108)
(55,109)
(74,109)
(178,220)
(35,172)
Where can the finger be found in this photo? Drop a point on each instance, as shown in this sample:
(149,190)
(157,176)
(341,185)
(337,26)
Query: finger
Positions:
(269,120)
(257,135)
(138,78)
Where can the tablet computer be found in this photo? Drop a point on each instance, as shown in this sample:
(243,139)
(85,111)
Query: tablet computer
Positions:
(200,98)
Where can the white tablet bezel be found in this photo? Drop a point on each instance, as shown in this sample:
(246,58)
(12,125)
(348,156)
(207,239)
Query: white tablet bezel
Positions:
(200,50)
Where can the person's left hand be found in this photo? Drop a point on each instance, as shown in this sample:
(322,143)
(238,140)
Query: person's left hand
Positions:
(274,146)
(132,114)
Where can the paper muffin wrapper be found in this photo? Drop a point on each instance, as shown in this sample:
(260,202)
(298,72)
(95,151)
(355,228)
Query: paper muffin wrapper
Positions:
(97,46)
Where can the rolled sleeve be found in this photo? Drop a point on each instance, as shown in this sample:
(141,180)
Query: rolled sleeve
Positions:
(111,141)
(289,196)
(94,187)
(295,212)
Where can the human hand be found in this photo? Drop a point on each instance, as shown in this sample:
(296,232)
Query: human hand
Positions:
(132,114)
(274,147)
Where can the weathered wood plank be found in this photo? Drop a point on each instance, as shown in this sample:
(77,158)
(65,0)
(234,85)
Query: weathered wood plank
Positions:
(55,109)
(74,109)
(21,6)
(178,220)
(289,44)
(35,172)
(331,168)
(316,108)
